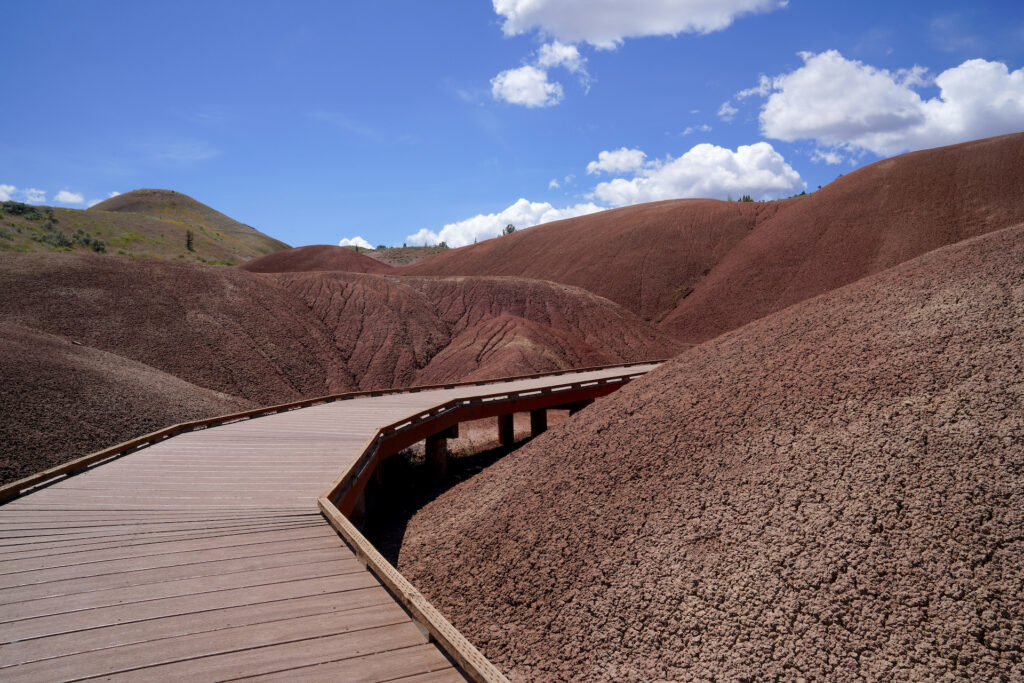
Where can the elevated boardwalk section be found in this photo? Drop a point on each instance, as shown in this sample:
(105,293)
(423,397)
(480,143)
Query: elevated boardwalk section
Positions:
(214,552)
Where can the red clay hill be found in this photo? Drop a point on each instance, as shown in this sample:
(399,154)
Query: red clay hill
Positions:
(832,492)
(318,257)
(701,267)
(645,257)
(214,340)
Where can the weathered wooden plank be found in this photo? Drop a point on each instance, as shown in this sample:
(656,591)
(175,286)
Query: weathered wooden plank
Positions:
(190,655)
(95,638)
(323,588)
(153,575)
(210,584)
(418,660)
(284,656)
(172,559)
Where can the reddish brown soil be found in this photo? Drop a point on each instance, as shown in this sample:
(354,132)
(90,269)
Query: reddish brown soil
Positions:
(507,326)
(405,331)
(316,258)
(265,339)
(219,328)
(63,401)
(863,223)
(833,492)
(643,257)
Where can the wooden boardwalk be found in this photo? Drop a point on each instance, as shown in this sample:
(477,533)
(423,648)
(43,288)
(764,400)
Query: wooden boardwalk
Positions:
(205,556)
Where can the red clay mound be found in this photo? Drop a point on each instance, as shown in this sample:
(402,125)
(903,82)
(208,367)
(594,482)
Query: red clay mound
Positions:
(865,222)
(643,257)
(72,400)
(320,257)
(383,331)
(402,331)
(833,492)
(463,302)
(507,346)
(219,328)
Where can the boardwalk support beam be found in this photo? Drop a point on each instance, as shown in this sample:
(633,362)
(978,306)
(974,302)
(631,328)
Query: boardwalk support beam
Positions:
(437,451)
(506,429)
(538,421)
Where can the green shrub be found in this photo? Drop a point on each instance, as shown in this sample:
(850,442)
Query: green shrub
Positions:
(12,208)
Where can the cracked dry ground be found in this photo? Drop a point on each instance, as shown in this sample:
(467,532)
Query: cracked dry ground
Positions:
(833,492)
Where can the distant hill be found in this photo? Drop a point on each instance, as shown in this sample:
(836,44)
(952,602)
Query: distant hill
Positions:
(318,257)
(158,230)
(179,208)
(700,267)
(404,256)
(645,257)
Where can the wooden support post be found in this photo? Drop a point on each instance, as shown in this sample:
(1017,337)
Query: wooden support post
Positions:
(538,421)
(437,455)
(506,429)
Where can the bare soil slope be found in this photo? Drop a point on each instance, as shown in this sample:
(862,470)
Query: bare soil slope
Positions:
(176,207)
(63,400)
(319,257)
(218,328)
(398,331)
(867,221)
(834,492)
(269,338)
(644,257)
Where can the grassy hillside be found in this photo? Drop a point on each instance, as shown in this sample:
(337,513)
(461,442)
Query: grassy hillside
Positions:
(162,233)
(180,209)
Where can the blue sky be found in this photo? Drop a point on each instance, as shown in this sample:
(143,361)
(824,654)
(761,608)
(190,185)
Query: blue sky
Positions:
(317,121)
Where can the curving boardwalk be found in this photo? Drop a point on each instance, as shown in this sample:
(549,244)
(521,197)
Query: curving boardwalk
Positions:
(205,556)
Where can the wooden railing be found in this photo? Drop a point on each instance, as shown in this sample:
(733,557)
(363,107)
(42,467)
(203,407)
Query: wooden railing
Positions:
(338,501)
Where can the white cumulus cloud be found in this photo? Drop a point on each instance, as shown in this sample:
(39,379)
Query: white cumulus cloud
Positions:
(559,54)
(66,197)
(356,241)
(527,86)
(34,196)
(522,214)
(606,23)
(842,103)
(553,185)
(706,171)
(617,161)
(6,192)
(702,128)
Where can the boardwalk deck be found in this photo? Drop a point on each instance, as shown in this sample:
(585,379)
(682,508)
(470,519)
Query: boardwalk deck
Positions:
(205,556)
